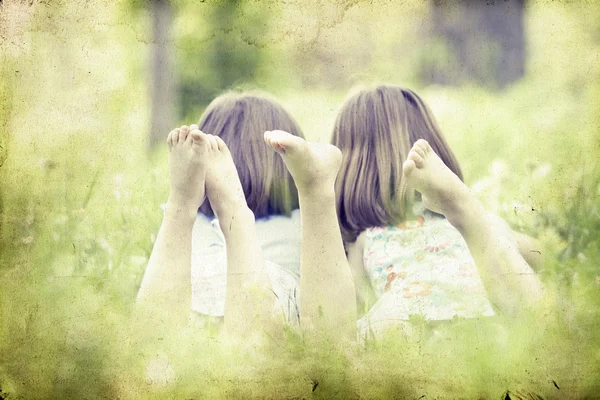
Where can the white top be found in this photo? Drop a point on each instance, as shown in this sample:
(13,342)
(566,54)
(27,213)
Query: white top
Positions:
(279,237)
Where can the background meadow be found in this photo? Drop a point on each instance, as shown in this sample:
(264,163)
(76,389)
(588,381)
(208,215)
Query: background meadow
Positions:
(89,90)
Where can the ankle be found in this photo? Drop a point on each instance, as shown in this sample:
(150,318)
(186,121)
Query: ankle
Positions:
(321,191)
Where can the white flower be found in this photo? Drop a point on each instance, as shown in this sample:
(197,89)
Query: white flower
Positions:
(159,371)
(105,245)
(543,170)
(61,219)
(120,189)
(498,169)
(139,260)
(27,240)
(119,179)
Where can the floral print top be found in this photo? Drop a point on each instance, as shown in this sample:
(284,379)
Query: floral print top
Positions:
(423,268)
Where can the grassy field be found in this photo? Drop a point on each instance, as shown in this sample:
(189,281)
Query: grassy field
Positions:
(80,198)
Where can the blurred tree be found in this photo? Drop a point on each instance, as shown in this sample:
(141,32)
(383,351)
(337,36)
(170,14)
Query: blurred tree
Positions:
(6,105)
(223,57)
(216,46)
(481,41)
(162,74)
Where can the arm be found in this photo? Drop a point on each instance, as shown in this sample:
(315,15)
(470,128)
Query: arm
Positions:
(365,297)
(166,282)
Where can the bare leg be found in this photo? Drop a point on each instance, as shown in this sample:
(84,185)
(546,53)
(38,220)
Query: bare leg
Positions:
(166,282)
(529,247)
(249,302)
(328,300)
(509,280)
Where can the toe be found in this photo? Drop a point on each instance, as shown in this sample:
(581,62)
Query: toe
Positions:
(198,141)
(170,139)
(194,127)
(408,167)
(212,142)
(285,142)
(422,145)
(416,158)
(189,139)
(198,137)
(267,137)
(175,134)
(183,133)
(419,150)
(221,144)
(270,142)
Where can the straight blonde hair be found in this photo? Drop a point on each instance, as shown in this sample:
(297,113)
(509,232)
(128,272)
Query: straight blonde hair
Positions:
(241,119)
(375,129)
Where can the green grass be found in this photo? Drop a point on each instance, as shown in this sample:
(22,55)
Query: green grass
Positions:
(80,200)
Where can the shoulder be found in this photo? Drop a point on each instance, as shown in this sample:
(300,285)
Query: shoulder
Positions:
(294,216)
(355,254)
(356,248)
(279,220)
(362,238)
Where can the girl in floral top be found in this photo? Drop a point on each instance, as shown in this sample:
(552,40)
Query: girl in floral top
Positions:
(436,253)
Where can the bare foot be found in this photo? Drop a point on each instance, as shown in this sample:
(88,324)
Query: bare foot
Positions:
(187,169)
(314,166)
(443,192)
(223,186)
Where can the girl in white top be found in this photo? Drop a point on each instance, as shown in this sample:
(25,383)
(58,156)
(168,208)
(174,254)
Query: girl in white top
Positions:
(279,238)
(215,265)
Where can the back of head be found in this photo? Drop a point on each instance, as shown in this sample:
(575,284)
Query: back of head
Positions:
(375,130)
(241,119)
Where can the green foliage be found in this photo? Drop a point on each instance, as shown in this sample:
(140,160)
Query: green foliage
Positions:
(220,55)
(80,206)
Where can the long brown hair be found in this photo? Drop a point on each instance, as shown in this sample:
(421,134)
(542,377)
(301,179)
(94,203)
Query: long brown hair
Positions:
(241,119)
(375,130)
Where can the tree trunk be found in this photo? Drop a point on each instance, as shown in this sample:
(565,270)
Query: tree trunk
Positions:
(482,41)
(162,74)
